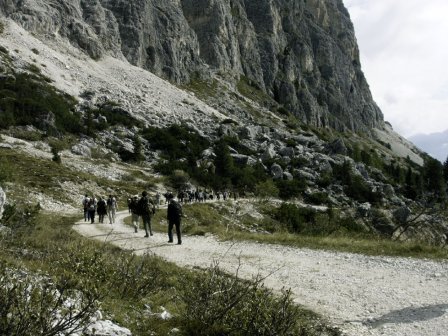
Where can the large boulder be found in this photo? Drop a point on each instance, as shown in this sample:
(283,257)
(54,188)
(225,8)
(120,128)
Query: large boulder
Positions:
(287,151)
(269,153)
(401,215)
(250,132)
(276,171)
(336,147)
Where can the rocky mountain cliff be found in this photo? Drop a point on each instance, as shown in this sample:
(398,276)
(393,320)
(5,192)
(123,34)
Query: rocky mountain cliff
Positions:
(302,53)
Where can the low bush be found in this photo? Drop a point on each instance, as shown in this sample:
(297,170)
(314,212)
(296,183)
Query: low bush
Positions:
(316,198)
(32,305)
(290,189)
(219,304)
(29,100)
(117,273)
(294,218)
(308,221)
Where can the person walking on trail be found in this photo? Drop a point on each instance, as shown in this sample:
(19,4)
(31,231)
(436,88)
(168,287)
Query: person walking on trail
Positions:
(111,208)
(129,204)
(92,209)
(133,206)
(174,215)
(85,205)
(146,209)
(158,199)
(101,209)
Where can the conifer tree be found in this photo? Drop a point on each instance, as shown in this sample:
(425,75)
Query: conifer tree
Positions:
(445,170)
(223,163)
(433,178)
(138,149)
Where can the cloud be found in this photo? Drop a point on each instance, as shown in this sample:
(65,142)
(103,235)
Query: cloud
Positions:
(403,52)
(435,144)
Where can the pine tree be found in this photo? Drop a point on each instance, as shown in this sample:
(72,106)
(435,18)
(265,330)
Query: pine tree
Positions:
(445,170)
(433,178)
(138,149)
(223,165)
(410,184)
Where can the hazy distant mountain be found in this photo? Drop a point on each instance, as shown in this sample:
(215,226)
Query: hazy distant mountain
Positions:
(435,144)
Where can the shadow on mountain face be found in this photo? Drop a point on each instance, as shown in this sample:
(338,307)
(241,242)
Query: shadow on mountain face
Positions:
(409,315)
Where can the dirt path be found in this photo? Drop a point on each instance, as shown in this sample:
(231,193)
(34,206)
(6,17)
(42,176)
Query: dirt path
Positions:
(360,294)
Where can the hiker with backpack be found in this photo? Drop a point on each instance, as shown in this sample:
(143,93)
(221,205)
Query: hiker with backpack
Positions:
(101,209)
(146,209)
(133,206)
(174,215)
(111,208)
(91,208)
(85,205)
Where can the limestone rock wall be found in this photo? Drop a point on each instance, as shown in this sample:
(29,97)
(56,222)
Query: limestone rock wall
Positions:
(302,53)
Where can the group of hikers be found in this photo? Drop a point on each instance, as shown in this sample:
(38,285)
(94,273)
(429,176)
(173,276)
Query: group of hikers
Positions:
(101,207)
(143,207)
(199,195)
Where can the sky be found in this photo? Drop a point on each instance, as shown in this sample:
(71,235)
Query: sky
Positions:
(404,55)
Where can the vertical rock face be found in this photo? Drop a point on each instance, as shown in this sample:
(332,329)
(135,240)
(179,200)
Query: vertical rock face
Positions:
(303,53)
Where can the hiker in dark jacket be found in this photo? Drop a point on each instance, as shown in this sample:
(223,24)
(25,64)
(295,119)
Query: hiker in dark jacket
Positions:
(133,205)
(101,209)
(146,209)
(174,215)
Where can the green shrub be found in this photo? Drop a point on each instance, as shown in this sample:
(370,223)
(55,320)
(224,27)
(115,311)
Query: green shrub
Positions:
(122,274)
(266,189)
(317,198)
(34,50)
(294,218)
(251,90)
(179,180)
(36,306)
(290,189)
(29,99)
(56,157)
(2,27)
(34,69)
(20,218)
(25,134)
(176,141)
(218,304)
(114,114)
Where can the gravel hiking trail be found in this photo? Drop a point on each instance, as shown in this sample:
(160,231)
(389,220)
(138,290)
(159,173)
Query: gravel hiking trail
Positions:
(361,295)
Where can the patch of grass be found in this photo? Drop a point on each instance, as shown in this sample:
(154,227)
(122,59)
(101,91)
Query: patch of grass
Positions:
(344,235)
(252,91)
(46,177)
(25,134)
(203,89)
(30,100)
(352,244)
(34,69)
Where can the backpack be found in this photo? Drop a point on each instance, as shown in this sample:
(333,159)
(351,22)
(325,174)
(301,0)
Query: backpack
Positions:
(175,210)
(133,205)
(143,206)
(91,204)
